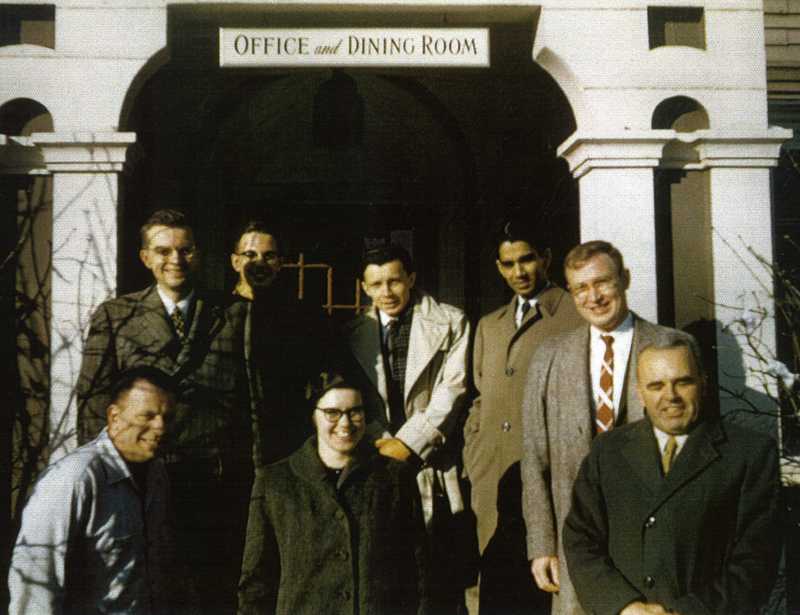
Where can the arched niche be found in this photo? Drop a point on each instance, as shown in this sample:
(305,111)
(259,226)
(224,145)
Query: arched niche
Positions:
(21,117)
(681,114)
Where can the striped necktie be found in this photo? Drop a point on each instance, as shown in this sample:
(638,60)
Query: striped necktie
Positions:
(604,419)
(179,323)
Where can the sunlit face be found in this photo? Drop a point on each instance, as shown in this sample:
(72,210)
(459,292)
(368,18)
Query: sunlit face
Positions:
(256,260)
(340,437)
(138,421)
(172,257)
(522,267)
(599,292)
(389,286)
(670,388)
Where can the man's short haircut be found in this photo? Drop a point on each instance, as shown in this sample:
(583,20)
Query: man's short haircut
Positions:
(326,381)
(126,380)
(253,226)
(386,254)
(578,256)
(516,229)
(171,218)
(672,338)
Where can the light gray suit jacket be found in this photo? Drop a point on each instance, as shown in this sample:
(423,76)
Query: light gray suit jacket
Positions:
(558,432)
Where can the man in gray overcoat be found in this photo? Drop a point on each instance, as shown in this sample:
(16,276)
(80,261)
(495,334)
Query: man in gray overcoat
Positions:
(580,383)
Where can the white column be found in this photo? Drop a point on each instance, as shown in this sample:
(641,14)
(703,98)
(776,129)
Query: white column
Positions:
(617,203)
(85,170)
(742,252)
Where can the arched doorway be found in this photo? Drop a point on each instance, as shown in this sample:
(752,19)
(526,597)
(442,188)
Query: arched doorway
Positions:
(433,158)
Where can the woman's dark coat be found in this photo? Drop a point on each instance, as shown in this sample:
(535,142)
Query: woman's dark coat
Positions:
(320,545)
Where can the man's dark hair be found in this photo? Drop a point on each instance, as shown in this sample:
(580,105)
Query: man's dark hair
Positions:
(386,254)
(578,256)
(126,380)
(516,229)
(253,226)
(171,218)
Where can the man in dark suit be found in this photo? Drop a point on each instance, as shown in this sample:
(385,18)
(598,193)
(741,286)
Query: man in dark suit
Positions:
(676,513)
(579,384)
(198,339)
(504,343)
(287,344)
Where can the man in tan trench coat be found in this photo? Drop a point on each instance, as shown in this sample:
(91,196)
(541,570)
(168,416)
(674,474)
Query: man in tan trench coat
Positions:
(504,342)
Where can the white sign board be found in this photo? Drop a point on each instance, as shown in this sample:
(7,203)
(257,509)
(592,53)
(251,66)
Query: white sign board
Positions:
(354,47)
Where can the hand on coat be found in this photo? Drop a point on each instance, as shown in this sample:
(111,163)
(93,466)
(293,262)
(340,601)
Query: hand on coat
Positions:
(545,573)
(393,448)
(643,608)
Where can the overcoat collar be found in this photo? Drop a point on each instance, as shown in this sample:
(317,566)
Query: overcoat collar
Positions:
(307,464)
(640,451)
(429,328)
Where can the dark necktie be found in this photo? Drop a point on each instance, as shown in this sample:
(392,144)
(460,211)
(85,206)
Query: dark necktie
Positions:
(525,307)
(604,420)
(179,323)
(392,342)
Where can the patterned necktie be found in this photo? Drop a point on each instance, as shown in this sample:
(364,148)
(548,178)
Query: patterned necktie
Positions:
(179,323)
(668,456)
(604,420)
(525,307)
(392,334)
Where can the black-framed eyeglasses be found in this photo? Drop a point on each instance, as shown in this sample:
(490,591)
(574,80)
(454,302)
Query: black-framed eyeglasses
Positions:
(251,255)
(355,414)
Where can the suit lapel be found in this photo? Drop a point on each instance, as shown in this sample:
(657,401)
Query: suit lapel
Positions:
(156,325)
(580,409)
(641,454)
(207,320)
(425,339)
(696,455)
(365,344)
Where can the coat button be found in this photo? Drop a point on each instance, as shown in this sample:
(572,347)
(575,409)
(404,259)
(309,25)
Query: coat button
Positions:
(506,426)
(509,371)
(651,521)
(339,515)
(341,554)
(649,582)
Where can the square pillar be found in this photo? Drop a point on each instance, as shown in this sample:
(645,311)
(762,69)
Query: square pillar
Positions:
(85,170)
(617,202)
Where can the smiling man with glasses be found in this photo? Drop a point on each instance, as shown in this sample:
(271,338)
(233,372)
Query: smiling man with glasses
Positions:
(579,384)
(198,337)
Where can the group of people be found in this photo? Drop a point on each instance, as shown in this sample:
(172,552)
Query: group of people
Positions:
(239,455)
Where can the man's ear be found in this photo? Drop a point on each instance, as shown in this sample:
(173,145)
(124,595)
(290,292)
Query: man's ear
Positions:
(112,414)
(235,263)
(626,279)
(144,256)
(412,279)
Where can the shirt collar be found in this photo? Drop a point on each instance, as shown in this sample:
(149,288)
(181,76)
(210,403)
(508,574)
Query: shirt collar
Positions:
(664,437)
(624,328)
(170,305)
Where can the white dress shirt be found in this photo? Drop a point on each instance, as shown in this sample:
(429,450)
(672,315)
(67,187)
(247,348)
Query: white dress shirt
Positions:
(663,438)
(623,340)
(182,305)
(520,302)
